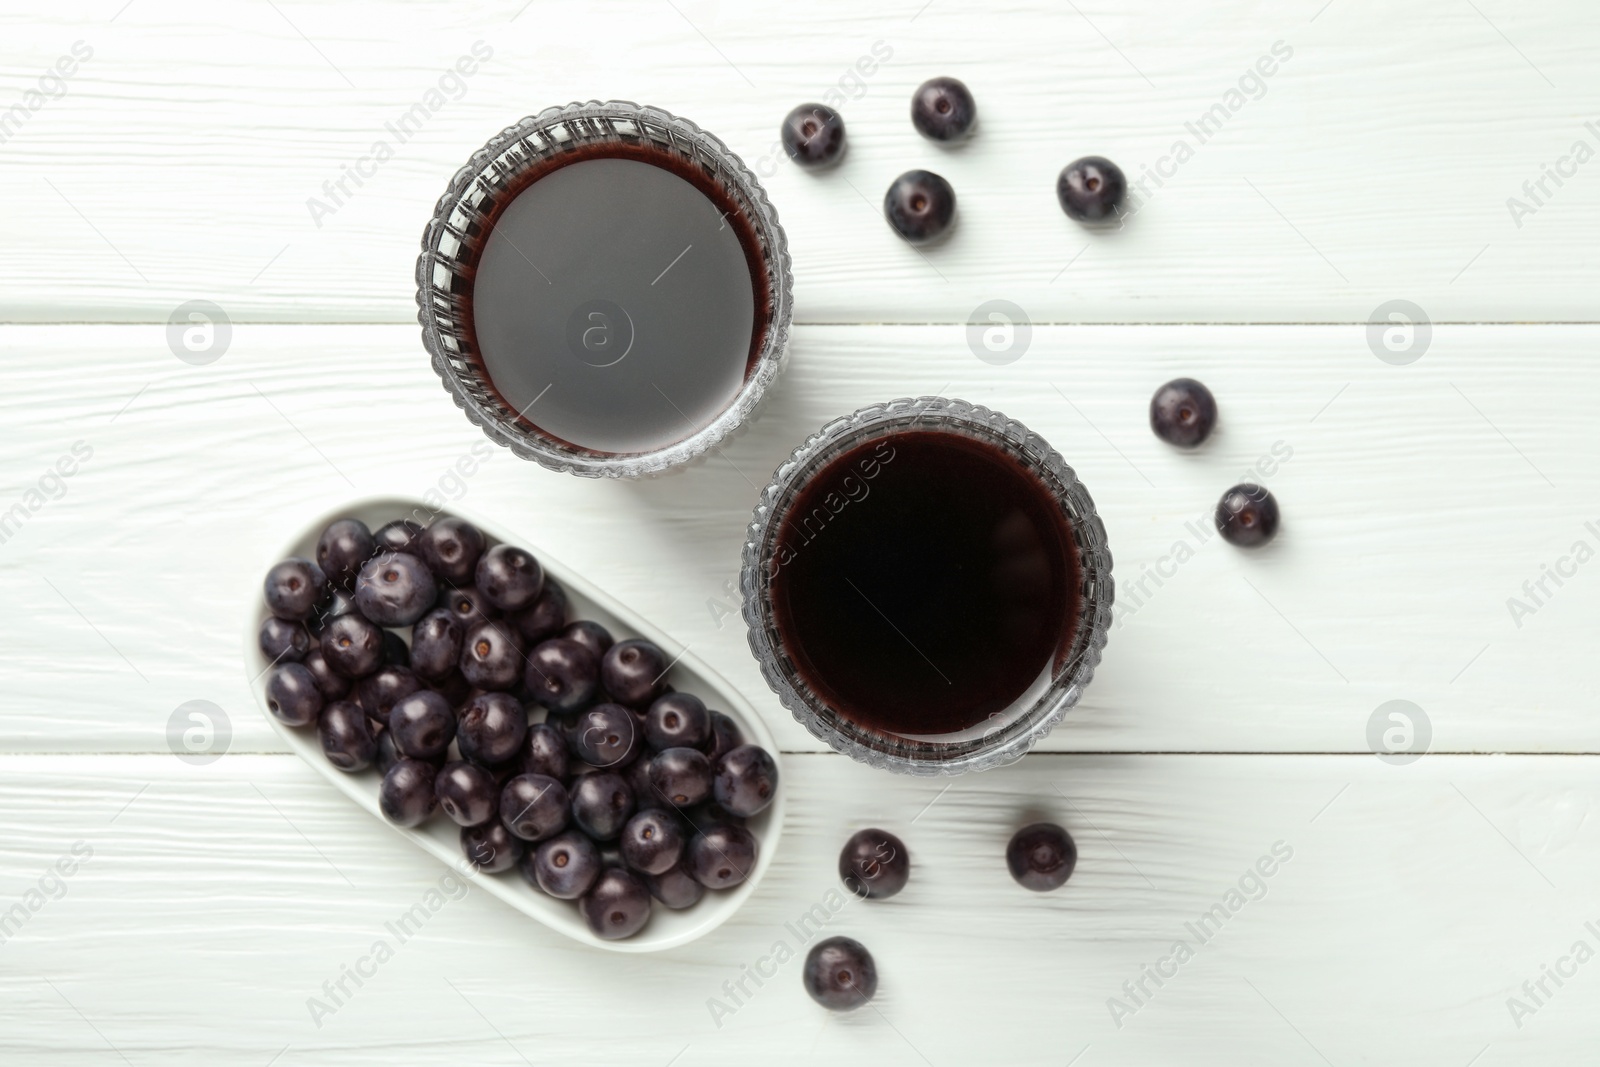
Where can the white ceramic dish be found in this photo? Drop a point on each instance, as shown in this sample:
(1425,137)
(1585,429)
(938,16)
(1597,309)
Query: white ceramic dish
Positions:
(439,836)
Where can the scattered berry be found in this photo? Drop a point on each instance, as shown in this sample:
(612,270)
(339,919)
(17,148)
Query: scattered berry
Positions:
(919,205)
(1041,856)
(840,974)
(874,864)
(813,135)
(942,109)
(1247,516)
(1091,189)
(1183,412)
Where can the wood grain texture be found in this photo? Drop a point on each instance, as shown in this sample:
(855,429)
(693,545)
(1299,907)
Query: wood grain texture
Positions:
(1418,500)
(1413,903)
(1376,162)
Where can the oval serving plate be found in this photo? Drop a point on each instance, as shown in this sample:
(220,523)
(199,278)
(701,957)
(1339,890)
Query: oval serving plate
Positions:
(440,837)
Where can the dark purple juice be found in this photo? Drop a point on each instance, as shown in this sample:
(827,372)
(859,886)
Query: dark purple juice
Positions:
(618,302)
(923,583)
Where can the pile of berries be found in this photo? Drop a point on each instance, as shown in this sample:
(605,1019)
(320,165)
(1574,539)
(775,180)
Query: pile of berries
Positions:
(557,749)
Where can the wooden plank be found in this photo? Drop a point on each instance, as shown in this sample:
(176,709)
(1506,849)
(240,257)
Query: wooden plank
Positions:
(1403,908)
(1418,500)
(1377,161)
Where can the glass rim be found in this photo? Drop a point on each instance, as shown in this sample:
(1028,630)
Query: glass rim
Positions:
(1066,682)
(510,154)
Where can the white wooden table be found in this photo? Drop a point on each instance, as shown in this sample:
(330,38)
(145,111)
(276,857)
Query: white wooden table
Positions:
(1231,716)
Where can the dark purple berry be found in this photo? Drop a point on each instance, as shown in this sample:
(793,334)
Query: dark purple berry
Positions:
(386,755)
(942,109)
(601,804)
(491,657)
(534,806)
(454,689)
(1091,189)
(591,635)
(510,577)
(606,735)
(341,550)
(704,816)
(840,974)
(645,797)
(398,536)
(377,693)
(451,548)
(634,672)
(874,864)
(436,644)
(292,694)
(395,652)
(562,675)
(677,720)
(545,752)
(919,205)
(725,737)
(722,856)
(545,617)
(652,842)
(1247,516)
(566,866)
(1183,412)
(334,686)
(339,602)
(491,848)
(352,646)
(1041,856)
(422,724)
(469,606)
(284,640)
(395,589)
(813,135)
(295,588)
(406,796)
(467,793)
(745,780)
(347,736)
(491,728)
(617,905)
(681,775)
(675,888)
